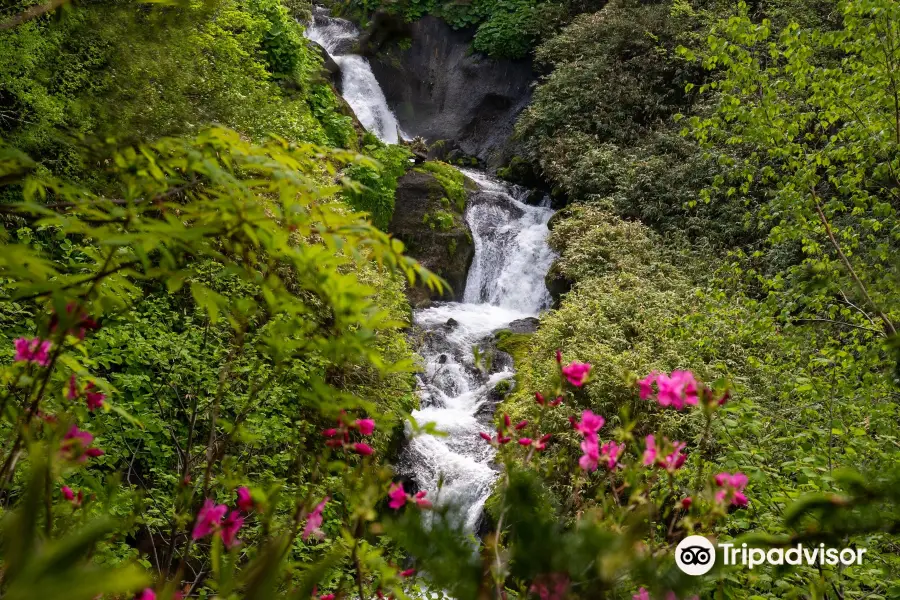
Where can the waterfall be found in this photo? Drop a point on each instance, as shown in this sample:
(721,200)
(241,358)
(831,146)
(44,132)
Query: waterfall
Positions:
(358,85)
(505,284)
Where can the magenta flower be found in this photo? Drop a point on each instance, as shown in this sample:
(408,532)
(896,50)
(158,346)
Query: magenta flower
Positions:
(326,597)
(397,495)
(421,501)
(673,461)
(330,432)
(550,587)
(646,385)
(146,594)
(610,453)
(94,399)
(650,452)
(521,425)
(577,373)
(539,398)
(524,441)
(230,527)
(34,350)
(366,426)
(76,445)
(676,390)
(67,493)
(686,503)
(591,455)
(590,424)
(364,449)
(244,501)
(486,437)
(506,420)
(314,521)
(209,519)
(732,488)
(642,594)
(72,388)
(407,573)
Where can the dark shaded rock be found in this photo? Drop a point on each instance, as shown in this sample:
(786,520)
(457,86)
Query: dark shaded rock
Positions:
(556,218)
(444,249)
(440,90)
(451,324)
(382,28)
(557,283)
(331,71)
(526,325)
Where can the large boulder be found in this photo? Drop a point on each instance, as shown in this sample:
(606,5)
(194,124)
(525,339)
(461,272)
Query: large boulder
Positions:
(434,232)
(441,90)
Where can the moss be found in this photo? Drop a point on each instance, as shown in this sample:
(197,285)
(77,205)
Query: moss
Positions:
(453,182)
(503,387)
(452,246)
(514,344)
(439,220)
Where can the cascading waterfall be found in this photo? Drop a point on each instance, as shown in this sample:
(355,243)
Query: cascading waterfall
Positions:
(505,284)
(358,85)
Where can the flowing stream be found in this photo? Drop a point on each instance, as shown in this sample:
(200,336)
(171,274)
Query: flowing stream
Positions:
(505,284)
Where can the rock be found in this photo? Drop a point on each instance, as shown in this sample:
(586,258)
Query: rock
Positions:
(382,28)
(440,90)
(557,283)
(331,71)
(442,245)
(451,324)
(526,325)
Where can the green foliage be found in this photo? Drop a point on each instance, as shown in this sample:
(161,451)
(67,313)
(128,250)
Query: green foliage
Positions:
(439,220)
(374,185)
(451,179)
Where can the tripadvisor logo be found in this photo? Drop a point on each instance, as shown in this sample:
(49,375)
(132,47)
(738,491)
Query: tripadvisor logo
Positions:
(696,555)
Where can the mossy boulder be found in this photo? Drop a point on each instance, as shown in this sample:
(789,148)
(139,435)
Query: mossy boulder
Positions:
(428,218)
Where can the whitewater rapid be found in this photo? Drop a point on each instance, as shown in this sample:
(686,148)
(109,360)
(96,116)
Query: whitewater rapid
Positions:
(505,284)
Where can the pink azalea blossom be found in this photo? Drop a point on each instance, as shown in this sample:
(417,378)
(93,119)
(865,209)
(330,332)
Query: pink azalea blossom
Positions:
(650,452)
(331,432)
(591,455)
(577,373)
(506,420)
(94,399)
(646,385)
(524,441)
(677,389)
(686,503)
(673,461)
(550,587)
(76,445)
(539,398)
(521,425)
(314,521)
(407,573)
(397,495)
(486,437)
(146,594)
(557,402)
(732,487)
(209,519)
(244,501)
(642,594)
(366,426)
(34,350)
(326,597)
(67,493)
(590,424)
(610,453)
(72,388)
(230,527)
(541,444)
(364,449)
(421,501)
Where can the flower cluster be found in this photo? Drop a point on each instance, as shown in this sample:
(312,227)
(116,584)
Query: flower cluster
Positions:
(676,390)
(339,437)
(594,453)
(314,521)
(731,488)
(668,455)
(576,373)
(398,497)
(92,397)
(35,351)
(216,519)
(76,445)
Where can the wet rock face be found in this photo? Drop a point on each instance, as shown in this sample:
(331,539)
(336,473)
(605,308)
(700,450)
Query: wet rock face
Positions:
(434,234)
(440,90)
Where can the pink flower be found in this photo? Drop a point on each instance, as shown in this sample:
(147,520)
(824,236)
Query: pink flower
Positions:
(366,426)
(34,350)
(646,385)
(244,502)
(733,488)
(364,449)
(407,573)
(314,521)
(521,425)
(397,495)
(642,594)
(67,493)
(330,432)
(326,597)
(147,594)
(557,402)
(577,373)
(673,461)
(421,501)
(650,452)
(94,399)
(610,453)
(506,420)
(539,398)
(486,437)
(541,444)
(230,527)
(591,456)
(76,445)
(686,503)
(71,389)
(676,390)
(550,587)
(524,441)
(209,519)
(590,424)
(504,440)
(558,357)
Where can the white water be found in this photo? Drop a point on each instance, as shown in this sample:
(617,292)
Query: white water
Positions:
(505,283)
(358,85)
